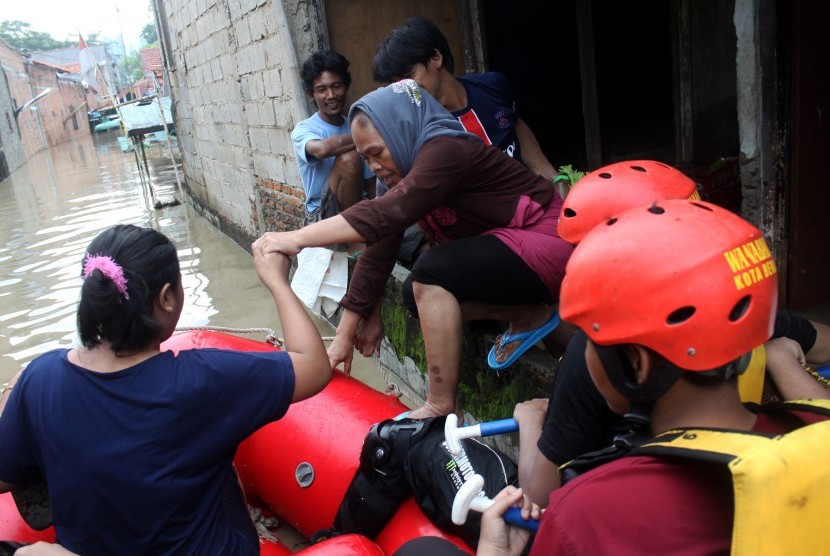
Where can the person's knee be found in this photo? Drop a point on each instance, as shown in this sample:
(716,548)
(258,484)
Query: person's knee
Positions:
(347,166)
(418,290)
(408,297)
(424,292)
(345,179)
(425,275)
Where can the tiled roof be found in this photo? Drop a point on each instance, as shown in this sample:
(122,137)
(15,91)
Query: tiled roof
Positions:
(68,68)
(151,58)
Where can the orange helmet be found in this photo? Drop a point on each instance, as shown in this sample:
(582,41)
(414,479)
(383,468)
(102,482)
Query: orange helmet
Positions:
(613,189)
(688,279)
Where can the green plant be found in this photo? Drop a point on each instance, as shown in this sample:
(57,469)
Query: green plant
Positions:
(573,175)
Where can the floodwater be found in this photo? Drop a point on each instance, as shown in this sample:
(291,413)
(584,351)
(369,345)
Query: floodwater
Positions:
(51,208)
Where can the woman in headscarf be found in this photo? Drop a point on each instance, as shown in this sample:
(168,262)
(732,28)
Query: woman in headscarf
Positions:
(492,223)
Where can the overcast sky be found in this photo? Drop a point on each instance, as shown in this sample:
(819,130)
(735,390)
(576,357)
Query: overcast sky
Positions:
(60,18)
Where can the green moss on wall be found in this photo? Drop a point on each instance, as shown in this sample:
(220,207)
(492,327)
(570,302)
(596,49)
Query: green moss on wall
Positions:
(404,333)
(486,394)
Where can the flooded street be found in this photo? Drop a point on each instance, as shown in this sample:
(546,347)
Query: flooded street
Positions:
(51,208)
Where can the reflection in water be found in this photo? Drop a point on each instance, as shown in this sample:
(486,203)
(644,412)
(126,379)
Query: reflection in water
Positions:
(50,210)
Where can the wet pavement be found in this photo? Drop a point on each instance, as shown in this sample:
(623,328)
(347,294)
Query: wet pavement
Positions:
(52,207)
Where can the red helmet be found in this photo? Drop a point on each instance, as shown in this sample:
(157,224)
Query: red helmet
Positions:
(688,279)
(616,188)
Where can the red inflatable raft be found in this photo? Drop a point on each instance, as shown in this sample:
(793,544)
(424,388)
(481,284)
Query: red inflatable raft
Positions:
(298,468)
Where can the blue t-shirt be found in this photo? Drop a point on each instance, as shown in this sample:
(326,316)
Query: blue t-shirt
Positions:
(491,111)
(315,171)
(139,461)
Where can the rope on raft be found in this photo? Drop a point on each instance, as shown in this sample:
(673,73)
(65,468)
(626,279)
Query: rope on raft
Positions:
(823,381)
(396,388)
(393,388)
(271,336)
(264,524)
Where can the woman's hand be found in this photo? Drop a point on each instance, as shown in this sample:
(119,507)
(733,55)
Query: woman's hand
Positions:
(341,350)
(272,268)
(497,538)
(325,232)
(286,243)
(370,334)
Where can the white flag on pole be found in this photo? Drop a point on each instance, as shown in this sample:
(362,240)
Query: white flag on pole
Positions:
(88,73)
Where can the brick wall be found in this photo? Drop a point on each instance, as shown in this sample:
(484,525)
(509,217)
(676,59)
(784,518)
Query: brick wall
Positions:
(12,155)
(20,90)
(51,122)
(62,112)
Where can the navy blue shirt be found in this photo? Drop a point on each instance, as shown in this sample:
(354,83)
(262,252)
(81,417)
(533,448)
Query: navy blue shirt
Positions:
(139,461)
(491,111)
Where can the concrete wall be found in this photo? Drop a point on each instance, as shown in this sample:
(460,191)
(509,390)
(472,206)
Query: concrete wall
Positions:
(762,133)
(237,97)
(748,97)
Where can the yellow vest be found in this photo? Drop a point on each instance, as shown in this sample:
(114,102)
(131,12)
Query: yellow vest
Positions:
(751,381)
(781,484)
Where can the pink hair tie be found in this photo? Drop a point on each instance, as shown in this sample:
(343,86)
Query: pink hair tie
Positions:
(108,268)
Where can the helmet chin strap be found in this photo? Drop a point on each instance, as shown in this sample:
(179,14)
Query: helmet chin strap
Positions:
(623,377)
(642,396)
(733,368)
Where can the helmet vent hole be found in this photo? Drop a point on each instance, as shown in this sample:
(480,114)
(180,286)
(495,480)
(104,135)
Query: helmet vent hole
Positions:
(611,221)
(569,213)
(654,209)
(740,308)
(605,176)
(638,168)
(680,315)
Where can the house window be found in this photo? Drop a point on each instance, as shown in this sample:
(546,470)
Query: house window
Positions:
(74,117)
